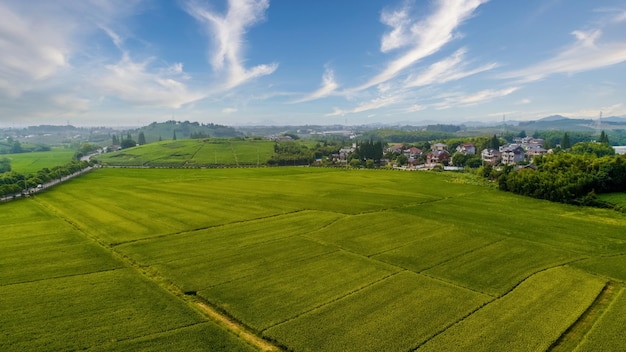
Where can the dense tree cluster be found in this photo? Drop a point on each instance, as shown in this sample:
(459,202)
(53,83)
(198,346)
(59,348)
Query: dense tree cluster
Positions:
(13,182)
(368,150)
(443,128)
(11,146)
(395,136)
(5,165)
(291,153)
(568,178)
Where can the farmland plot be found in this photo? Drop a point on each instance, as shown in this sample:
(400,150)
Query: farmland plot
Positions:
(497,268)
(83,311)
(35,245)
(529,318)
(395,314)
(270,298)
(316,259)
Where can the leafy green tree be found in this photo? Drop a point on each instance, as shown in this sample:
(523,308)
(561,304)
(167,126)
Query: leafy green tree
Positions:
(598,149)
(128,143)
(495,142)
(141,139)
(604,138)
(174,135)
(522,134)
(5,165)
(17,147)
(401,160)
(565,142)
(115,140)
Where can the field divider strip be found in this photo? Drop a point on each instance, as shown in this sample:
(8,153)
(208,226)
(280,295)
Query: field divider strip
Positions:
(64,276)
(208,227)
(462,254)
(452,324)
(334,300)
(236,327)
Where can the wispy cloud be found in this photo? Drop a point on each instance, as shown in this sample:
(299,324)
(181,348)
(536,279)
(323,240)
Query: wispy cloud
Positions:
(329,85)
(427,36)
(366,106)
(34,48)
(227,32)
(139,84)
(449,69)
(586,53)
(482,96)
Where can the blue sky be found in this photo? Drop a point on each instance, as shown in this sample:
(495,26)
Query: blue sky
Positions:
(239,62)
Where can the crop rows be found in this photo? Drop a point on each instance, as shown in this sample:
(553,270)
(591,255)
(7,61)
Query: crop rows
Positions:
(314,259)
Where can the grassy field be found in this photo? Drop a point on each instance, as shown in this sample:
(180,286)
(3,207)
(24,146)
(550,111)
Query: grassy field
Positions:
(311,259)
(615,198)
(32,162)
(193,153)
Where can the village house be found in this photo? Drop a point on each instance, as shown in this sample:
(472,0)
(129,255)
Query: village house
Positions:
(490,156)
(439,147)
(395,149)
(412,152)
(512,154)
(437,156)
(533,150)
(466,148)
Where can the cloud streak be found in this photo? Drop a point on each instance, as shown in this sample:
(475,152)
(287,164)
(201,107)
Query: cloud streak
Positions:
(585,54)
(227,33)
(450,69)
(329,85)
(134,82)
(429,35)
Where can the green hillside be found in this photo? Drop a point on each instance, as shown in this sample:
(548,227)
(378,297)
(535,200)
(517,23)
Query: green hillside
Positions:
(192,153)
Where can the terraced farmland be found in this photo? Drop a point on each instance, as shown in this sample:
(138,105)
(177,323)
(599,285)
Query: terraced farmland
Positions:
(308,259)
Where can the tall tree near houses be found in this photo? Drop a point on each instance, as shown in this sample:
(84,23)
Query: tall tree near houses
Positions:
(565,142)
(141,139)
(174,135)
(604,138)
(494,143)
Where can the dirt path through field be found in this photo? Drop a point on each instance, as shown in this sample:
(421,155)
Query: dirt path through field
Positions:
(241,332)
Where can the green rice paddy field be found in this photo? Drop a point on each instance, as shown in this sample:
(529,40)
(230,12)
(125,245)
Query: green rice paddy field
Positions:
(32,162)
(193,153)
(307,259)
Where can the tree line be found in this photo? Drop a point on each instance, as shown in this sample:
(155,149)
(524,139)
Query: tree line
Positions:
(13,182)
(568,178)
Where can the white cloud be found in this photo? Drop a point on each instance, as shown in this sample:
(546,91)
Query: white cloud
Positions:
(328,87)
(610,110)
(428,35)
(229,110)
(366,106)
(34,48)
(415,108)
(583,55)
(135,83)
(449,69)
(399,36)
(227,32)
(472,99)
(71,103)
